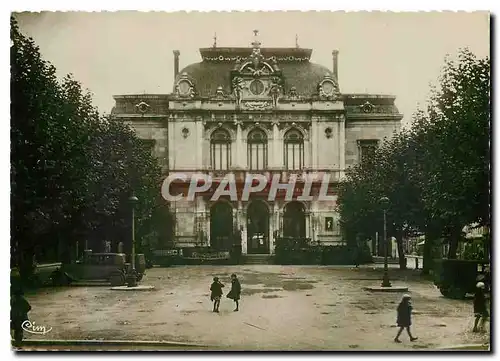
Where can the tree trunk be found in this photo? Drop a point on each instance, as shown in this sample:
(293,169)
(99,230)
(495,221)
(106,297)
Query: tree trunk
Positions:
(402,256)
(401,253)
(427,261)
(454,240)
(487,244)
(430,238)
(26,266)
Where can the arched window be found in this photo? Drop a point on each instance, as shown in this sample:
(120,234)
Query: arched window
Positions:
(257,149)
(220,149)
(294,150)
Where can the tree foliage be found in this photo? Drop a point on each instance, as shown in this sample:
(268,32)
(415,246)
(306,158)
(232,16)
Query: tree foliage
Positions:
(72,170)
(437,173)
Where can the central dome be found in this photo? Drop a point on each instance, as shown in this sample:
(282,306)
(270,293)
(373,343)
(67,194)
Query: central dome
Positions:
(214,71)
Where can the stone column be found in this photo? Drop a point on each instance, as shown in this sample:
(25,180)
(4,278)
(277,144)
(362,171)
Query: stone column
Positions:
(314,142)
(342,144)
(200,220)
(279,224)
(308,225)
(277,145)
(276,227)
(313,221)
(239,151)
(171,141)
(244,244)
(207,226)
(200,137)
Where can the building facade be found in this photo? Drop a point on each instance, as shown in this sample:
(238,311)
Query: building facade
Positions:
(258,110)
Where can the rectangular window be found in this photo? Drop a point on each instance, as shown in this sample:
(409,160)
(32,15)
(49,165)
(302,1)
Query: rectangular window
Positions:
(367,148)
(257,156)
(220,155)
(149,144)
(294,156)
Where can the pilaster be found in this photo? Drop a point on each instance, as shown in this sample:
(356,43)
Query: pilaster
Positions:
(276,156)
(341,148)
(314,142)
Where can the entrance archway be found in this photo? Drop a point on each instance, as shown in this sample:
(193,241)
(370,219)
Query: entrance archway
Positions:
(221,226)
(257,228)
(294,220)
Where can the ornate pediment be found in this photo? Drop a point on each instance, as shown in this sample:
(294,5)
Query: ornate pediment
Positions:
(255,81)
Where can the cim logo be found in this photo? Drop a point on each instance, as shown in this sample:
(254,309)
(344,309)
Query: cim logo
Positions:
(30,327)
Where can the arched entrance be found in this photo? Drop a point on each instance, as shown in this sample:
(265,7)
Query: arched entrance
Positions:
(257,228)
(221,226)
(294,220)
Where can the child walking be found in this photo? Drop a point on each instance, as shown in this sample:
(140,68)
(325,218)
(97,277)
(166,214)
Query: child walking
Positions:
(216,293)
(480,311)
(404,318)
(235,292)
(19,308)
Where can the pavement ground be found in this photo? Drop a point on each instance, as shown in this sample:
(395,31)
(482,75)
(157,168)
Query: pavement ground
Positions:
(282,308)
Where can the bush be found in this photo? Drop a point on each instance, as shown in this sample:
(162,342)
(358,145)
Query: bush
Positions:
(300,252)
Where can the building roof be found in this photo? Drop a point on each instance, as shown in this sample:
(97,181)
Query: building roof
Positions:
(215,69)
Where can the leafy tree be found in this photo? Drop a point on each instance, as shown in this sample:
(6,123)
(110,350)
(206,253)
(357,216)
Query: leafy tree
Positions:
(72,170)
(436,174)
(455,166)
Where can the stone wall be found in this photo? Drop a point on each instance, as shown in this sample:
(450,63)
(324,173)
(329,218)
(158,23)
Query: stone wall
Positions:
(366,130)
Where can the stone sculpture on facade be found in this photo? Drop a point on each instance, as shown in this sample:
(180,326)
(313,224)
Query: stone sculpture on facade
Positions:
(275,91)
(293,93)
(238,90)
(219,92)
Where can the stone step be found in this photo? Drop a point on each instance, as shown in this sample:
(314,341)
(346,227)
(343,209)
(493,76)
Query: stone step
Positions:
(258,259)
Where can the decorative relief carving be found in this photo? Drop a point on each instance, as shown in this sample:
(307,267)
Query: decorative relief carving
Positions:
(184,87)
(368,107)
(185,132)
(257,105)
(328,88)
(236,121)
(219,92)
(142,107)
(293,93)
(328,132)
(222,58)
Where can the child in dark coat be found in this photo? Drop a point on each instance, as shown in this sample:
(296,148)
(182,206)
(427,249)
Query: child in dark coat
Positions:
(235,292)
(216,293)
(404,318)
(19,308)
(480,311)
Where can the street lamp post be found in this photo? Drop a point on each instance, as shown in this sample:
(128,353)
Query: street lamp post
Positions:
(132,276)
(384,203)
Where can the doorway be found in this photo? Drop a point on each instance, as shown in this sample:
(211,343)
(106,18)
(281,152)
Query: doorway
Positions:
(294,220)
(221,226)
(258,228)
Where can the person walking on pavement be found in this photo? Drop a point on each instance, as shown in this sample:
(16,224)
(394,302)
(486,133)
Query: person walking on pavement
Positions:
(356,256)
(216,293)
(235,292)
(404,318)
(480,311)
(19,308)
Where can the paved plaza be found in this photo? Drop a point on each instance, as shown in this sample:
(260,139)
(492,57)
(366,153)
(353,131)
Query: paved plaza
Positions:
(282,308)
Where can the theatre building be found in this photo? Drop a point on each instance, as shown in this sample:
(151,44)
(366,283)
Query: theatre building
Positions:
(258,110)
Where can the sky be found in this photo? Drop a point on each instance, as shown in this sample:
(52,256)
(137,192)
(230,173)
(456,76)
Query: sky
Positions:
(113,53)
